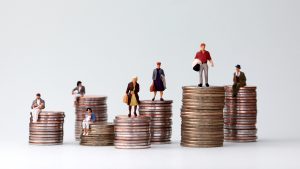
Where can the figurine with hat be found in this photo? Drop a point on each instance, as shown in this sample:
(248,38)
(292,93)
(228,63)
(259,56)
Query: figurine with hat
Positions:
(239,80)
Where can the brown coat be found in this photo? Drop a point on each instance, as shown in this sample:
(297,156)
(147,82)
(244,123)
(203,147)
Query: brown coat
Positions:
(129,89)
(34,104)
(82,90)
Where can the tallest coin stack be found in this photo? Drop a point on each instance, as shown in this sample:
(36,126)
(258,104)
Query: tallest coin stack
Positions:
(202,116)
(98,106)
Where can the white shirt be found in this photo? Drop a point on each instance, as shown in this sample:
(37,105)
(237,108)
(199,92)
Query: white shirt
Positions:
(38,102)
(87,118)
(237,74)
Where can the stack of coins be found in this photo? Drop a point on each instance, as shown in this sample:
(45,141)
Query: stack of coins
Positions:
(132,133)
(97,104)
(48,130)
(240,115)
(100,134)
(202,116)
(161,119)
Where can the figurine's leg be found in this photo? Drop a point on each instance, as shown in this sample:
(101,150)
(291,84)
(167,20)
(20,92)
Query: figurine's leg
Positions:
(87,128)
(35,115)
(238,86)
(135,108)
(200,75)
(154,95)
(205,67)
(161,95)
(129,114)
(235,89)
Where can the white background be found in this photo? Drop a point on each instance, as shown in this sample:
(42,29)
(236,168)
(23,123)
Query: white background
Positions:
(46,46)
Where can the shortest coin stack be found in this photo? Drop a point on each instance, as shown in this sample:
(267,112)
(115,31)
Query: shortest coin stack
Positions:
(132,133)
(48,130)
(101,134)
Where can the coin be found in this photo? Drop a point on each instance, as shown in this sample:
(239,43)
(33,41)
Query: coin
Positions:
(240,115)
(160,113)
(48,130)
(100,134)
(132,133)
(97,104)
(202,116)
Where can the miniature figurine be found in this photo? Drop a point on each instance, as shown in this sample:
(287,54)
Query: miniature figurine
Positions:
(203,56)
(37,105)
(78,91)
(159,81)
(239,80)
(133,98)
(89,118)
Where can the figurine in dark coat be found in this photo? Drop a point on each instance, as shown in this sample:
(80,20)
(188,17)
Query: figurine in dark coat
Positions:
(132,91)
(239,80)
(159,81)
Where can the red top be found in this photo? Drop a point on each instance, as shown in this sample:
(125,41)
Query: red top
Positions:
(203,56)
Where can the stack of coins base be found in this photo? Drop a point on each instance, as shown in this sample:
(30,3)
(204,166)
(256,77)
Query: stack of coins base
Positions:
(132,133)
(240,115)
(161,119)
(97,104)
(100,134)
(48,130)
(202,116)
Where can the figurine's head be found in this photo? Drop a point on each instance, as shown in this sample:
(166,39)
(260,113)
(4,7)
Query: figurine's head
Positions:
(202,46)
(134,79)
(158,64)
(38,96)
(89,110)
(79,84)
(238,68)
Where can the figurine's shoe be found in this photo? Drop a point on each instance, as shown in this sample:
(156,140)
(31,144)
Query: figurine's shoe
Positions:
(200,85)
(153,99)
(129,115)
(161,99)
(207,85)
(135,114)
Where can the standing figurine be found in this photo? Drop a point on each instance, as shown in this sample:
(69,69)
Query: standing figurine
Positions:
(37,105)
(78,91)
(133,98)
(203,56)
(159,81)
(89,118)
(239,80)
